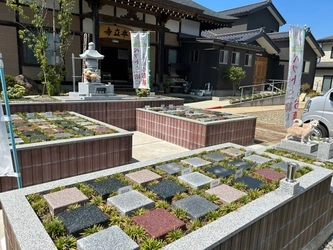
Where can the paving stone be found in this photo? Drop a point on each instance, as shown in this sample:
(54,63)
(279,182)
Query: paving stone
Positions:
(131,201)
(31,132)
(257,159)
(158,223)
(166,189)
(195,206)
(62,135)
(143,176)
(241,164)
(195,179)
(75,221)
(170,168)
(112,238)
(270,175)
(47,126)
(37,138)
(234,152)
(106,187)
(250,182)
(225,193)
(60,200)
(26,129)
(215,157)
(196,162)
(85,133)
(85,123)
(220,171)
(36,120)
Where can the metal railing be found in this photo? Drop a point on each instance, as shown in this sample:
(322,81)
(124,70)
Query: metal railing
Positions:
(269,87)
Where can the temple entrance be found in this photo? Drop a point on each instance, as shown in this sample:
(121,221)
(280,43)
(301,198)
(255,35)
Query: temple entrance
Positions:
(117,63)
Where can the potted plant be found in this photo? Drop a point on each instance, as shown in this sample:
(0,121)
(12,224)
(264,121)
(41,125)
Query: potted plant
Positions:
(234,75)
(167,86)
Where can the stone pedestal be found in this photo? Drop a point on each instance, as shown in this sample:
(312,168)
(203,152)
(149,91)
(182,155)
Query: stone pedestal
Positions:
(325,151)
(287,187)
(94,91)
(296,146)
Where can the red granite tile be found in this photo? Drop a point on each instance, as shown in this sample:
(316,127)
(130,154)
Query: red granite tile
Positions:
(158,223)
(269,174)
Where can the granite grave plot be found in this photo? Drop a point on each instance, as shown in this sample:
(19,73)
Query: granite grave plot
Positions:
(83,217)
(279,165)
(250,183)
(106,187)
(153,206)
(257,159)
(143,176)
(60,200)
(270,175)
(233,152)
(225,193)
(215,157)
(240,164)
(220,171)
(195,206)
(129,202)
(159,222)
(195,179)
(111,238)
(167,189)
(196,162)
(170,168)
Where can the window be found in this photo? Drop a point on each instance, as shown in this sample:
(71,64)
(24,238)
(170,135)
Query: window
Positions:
(235,58)
(306,67)
(248,60)
(194,56)
(223,57)
(332,52)
(28,54)
(172,56)
(327,84)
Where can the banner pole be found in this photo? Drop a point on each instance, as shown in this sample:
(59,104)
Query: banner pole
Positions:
(10,125)
(148,65)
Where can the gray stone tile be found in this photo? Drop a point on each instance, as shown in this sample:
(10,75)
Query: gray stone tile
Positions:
(75,221)
(143,176)
(131,201)
(282,165)
(195,206)
(62,135)
(220,171)
(225,193)
(166,189)
(195,179)
(234,152)
(36,120)
(215,157)
(105,187)
(112,238)
(196,162)
(60,200)
(257,159)
(170,168)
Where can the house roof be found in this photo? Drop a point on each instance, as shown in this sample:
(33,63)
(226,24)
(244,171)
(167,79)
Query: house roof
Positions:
(324,65)
(247,37)
(251,8)
(281,36)
(325,39)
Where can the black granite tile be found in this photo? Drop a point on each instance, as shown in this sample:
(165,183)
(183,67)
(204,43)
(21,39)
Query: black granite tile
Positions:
(104,188)
(220,171)
(241,164)
(167,189)
(250,182)
(75,221)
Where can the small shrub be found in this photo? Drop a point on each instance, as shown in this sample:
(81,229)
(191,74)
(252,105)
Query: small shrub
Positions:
(15,92)
(142,92)
(10,81)
(54,227)
(136,232)
(66,242)
(91,230)
(151,244)
(174,235)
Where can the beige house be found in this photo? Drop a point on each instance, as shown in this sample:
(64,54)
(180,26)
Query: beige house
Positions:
(324,71)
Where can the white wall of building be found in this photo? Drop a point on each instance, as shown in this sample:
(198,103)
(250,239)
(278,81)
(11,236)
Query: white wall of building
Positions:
(190,27)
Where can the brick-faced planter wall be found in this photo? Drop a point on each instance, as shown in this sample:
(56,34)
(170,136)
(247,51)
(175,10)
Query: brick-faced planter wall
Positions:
(193,134)
(119,113)
(54,160)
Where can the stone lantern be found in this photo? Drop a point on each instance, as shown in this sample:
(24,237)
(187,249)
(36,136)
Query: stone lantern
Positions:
(91,57)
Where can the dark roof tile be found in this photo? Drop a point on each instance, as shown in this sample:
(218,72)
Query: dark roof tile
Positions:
(244,9)
(325,39)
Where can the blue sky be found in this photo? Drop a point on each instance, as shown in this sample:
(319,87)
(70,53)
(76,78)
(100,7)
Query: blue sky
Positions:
(316,14)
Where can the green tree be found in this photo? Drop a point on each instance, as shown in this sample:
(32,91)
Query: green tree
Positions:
(234,75)
(35,36)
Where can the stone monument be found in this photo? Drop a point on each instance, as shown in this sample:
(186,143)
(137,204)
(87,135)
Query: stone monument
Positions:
(92,88)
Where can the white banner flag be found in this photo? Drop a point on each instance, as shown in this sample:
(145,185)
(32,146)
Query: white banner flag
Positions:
(296,48)
(140,59)
(6,164)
